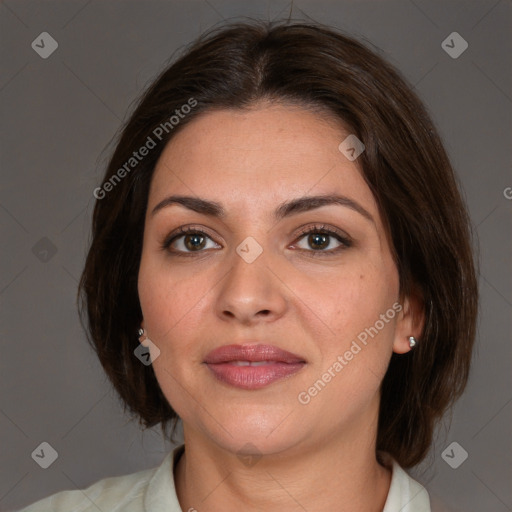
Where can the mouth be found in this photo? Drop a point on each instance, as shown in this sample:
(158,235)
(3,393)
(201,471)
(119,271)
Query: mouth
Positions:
(252,366)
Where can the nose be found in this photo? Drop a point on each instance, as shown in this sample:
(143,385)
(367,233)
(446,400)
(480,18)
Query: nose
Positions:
(251,292)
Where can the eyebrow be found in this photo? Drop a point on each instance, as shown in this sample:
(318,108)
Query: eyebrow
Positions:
(292,207)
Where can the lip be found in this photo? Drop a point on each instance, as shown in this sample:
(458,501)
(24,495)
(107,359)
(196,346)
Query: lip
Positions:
(253,353)
(224,362)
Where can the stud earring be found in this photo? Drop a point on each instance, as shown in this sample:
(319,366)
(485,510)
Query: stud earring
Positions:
(142,335)
(147,357)
(412,341)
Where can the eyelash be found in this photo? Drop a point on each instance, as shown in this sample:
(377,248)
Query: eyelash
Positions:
(316,229)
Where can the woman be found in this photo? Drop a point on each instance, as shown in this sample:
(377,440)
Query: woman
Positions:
(281,259)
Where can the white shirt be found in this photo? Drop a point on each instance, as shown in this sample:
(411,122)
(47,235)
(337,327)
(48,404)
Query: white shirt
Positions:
(153,490)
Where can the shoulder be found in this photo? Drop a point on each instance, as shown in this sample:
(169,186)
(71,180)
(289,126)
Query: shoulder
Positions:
(124,492)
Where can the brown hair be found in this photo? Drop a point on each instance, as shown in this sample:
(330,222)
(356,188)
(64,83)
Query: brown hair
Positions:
(404,164)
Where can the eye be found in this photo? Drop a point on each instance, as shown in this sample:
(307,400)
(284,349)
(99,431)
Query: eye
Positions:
(187,240)
(320,238)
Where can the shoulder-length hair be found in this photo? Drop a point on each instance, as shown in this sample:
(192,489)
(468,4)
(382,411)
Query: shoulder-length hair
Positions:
(404,164)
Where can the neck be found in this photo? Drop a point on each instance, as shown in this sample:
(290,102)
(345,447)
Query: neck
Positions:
(339,473)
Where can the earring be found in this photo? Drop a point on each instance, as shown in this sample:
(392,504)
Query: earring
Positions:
(142,335)
(412,341)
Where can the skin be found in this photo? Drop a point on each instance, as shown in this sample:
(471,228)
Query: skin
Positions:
(319,456)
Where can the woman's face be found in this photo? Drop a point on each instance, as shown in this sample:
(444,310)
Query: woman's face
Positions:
(254,278)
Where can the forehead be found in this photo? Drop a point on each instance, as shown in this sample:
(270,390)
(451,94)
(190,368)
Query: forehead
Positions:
(254,159)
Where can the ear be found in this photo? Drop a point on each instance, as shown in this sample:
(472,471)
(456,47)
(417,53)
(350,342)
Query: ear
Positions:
(410,322)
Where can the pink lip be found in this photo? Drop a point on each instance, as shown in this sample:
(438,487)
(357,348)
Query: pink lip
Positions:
(280,364)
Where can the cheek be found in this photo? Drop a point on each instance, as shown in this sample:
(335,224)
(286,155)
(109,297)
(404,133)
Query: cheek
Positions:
(172,303)
(350,300)
(358,309)
(162,295)
(353,361)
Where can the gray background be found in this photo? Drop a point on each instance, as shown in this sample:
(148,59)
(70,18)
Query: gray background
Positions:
(60,113)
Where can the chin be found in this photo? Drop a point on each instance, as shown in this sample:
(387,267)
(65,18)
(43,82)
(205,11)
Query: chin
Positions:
(245,443)
(265,431)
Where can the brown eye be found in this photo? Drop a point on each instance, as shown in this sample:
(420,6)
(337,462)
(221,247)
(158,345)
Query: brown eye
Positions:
(194,242)
(319,241)
(187,240)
